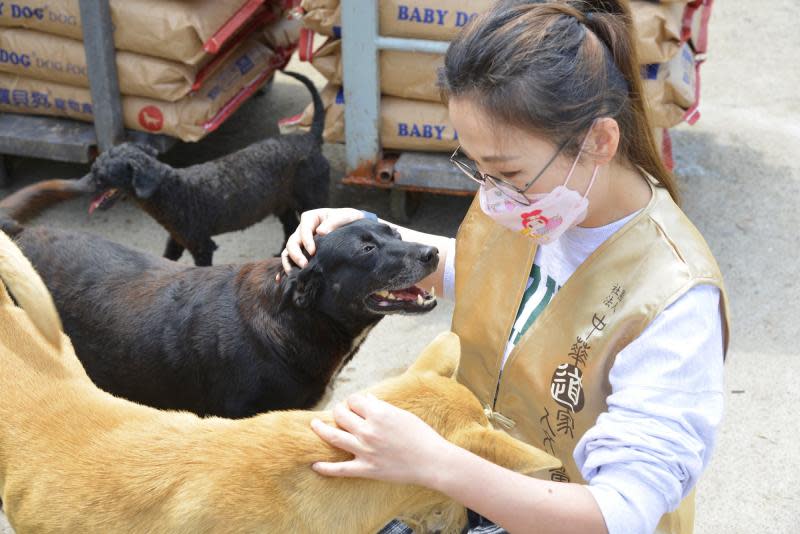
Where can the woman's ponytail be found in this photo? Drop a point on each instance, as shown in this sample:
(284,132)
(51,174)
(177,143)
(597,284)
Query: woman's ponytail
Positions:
(611,21)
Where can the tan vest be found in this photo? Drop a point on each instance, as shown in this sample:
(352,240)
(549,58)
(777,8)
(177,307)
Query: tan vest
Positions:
(555,383)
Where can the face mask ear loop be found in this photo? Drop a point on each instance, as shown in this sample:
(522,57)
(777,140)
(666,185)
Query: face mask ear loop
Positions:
(591,182)
(578,157)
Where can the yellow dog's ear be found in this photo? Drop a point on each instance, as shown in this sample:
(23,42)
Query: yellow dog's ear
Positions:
(29,291)
(501,449)
(441,356)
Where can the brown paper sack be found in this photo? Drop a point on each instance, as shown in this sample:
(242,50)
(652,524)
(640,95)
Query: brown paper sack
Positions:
(658,30)
(60,59)
(322,16)
(408,75)
(405,124)
(190,118)
(440,20)
(670,88)
(170,29)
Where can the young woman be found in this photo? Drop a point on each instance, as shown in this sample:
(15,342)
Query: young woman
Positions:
(590,310)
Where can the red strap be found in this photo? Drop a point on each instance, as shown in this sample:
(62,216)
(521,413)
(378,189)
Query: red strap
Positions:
(209,68)
(231,26)
(305,48)
(294,119)
(239,98)
(692,114)
(699,41)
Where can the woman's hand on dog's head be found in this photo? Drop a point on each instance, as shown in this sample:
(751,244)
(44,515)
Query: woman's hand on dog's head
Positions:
(320,222)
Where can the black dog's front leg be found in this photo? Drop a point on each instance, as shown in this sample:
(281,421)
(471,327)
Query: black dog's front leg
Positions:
(290,222)
(204,253)
(174,250)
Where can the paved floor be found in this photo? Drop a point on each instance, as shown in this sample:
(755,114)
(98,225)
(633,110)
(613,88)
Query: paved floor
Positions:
(739,170)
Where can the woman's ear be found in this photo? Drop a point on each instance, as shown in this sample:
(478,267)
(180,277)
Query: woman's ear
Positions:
(603,141)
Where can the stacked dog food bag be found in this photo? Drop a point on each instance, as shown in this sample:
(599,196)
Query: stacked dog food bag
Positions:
(672,42)
(671,39)
(183,65)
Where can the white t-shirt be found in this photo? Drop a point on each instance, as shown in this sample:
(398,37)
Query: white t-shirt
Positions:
(645,454)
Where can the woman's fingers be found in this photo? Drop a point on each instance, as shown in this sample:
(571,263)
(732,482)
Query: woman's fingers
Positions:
(363,405)
(340,439)
(294,253)
(287,265)
(347,420)
(302,238)
(336,218)
(351,468)
(321,221)
(309,221)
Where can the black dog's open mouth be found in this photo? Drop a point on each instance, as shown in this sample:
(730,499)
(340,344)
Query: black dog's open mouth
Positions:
(412,299)
(105,200)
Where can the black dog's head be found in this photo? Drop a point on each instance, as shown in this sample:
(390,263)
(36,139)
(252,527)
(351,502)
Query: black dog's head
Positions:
(127,168)
(362,271)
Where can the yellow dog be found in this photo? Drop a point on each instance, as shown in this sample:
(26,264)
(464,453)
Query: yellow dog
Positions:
(76,459)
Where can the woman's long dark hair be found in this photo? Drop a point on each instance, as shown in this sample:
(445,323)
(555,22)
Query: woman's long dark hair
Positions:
(552,68)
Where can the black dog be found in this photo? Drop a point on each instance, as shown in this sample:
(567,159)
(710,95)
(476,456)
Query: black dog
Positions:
(227,340)
(283,176)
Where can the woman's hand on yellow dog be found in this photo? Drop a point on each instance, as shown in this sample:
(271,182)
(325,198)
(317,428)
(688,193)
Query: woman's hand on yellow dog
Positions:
(388,443)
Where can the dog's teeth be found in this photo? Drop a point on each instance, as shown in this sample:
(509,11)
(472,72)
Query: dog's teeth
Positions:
(419,300)
(391,296)
(383,293)
(433,292)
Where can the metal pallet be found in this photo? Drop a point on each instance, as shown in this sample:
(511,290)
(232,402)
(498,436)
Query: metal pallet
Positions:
(70,140)
(407,173)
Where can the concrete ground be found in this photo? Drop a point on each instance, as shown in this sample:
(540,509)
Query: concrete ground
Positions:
(740,174)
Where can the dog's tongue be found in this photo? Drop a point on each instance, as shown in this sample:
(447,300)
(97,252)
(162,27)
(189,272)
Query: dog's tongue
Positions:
(98,200)
(409,293)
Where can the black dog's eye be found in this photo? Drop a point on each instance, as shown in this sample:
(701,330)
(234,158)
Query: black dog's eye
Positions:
(369,247)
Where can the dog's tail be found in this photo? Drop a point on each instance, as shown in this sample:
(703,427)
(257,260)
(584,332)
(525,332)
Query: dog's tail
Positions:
(24,283)
(318,122)
(31,200)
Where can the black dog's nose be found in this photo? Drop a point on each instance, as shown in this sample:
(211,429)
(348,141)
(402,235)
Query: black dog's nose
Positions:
(429,254)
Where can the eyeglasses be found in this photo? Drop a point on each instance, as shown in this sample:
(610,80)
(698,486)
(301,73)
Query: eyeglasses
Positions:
(517,194)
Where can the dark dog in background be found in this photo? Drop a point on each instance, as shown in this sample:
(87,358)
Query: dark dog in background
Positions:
(283,176)
(227,340)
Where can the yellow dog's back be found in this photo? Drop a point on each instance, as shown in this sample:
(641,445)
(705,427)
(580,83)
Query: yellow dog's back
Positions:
(74,458)
(29,290)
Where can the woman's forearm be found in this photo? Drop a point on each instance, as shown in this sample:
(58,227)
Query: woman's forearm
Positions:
(516,502)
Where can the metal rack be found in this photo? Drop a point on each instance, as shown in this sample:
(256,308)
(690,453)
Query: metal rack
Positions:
(408,173)
(70,140)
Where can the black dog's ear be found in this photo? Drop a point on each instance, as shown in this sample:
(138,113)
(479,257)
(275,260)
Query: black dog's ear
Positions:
(145,181)
(303,286)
